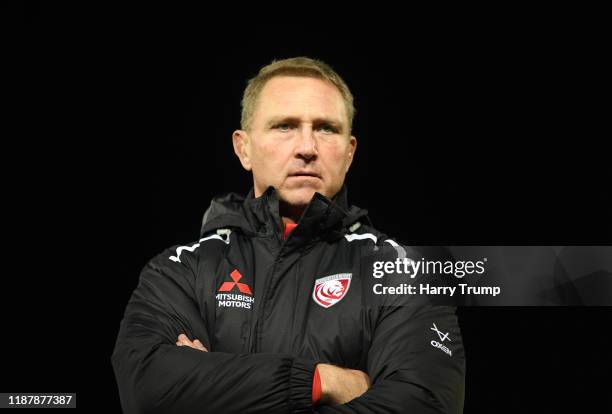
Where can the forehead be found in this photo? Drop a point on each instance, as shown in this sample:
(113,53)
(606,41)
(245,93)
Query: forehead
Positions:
(300,97)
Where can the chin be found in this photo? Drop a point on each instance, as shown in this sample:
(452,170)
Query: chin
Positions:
(298,197)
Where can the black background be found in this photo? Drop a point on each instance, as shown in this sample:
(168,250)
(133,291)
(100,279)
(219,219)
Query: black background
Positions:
(117,134)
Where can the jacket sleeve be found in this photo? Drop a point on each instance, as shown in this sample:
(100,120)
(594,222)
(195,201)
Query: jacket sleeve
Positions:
(156,376)
(410,372)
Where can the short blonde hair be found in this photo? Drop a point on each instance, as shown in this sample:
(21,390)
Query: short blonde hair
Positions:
(297,66)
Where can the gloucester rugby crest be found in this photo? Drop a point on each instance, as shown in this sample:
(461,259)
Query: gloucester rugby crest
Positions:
(330,290)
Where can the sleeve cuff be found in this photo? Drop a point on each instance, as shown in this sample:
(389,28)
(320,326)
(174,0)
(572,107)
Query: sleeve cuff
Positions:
(302,376)
(316,387)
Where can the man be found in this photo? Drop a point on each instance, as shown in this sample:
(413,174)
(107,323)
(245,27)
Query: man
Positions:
(268,311)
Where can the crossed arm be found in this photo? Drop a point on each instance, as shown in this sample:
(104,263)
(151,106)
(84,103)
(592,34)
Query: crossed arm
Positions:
(156,374)
(338,385)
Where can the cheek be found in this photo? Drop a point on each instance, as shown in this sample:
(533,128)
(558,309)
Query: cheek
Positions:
(268,157)
(337,158)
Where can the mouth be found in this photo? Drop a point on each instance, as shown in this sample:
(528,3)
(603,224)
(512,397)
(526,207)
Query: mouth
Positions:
(305,174)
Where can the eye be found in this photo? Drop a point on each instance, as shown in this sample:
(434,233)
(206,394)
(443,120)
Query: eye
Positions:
(327,129)
(283,127)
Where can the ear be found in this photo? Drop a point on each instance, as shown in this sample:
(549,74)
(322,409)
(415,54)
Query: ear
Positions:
(351,152)
(242,148)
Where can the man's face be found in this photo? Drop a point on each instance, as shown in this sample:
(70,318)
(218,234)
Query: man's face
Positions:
(299,139)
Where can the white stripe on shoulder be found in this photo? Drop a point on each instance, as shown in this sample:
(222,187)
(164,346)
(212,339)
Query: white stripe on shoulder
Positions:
(351,237)
(218,236)
(401,252)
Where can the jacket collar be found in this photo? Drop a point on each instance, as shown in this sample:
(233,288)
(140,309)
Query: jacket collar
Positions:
(322,217)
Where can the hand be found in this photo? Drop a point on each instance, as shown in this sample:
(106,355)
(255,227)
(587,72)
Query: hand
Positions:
(341,385)
(196,344)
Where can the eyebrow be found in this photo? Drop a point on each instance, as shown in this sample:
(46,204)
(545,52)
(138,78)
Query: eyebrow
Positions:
(295,120)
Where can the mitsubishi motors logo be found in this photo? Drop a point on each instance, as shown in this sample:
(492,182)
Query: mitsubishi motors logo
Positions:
(242,298)
(331,289)
(228,286)
(443,337)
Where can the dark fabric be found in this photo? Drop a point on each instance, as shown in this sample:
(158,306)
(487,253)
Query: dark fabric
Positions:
(248,296)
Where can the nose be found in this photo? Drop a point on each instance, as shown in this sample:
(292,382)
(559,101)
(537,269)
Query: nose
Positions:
(307,145)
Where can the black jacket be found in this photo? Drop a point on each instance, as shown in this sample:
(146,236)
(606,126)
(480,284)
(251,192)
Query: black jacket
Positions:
(254,302)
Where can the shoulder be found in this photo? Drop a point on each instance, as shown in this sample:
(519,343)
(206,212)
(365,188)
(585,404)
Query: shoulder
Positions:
(373,241)
(364,233)
(189,254)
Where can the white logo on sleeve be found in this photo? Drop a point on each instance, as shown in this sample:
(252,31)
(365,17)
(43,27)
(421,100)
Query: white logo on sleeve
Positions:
(443,337)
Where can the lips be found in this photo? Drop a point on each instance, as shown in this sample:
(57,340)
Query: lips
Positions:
(305,174)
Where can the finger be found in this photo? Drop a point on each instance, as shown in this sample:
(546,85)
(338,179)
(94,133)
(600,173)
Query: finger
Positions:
(184,340)
(189,344)
(200,345)
(195,344)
